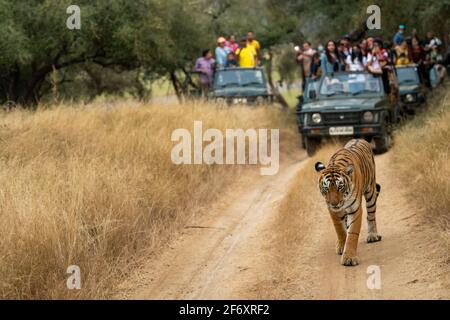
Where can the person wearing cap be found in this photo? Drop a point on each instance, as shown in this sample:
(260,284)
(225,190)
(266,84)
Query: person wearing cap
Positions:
(399,36)
(246,54)
(222,52)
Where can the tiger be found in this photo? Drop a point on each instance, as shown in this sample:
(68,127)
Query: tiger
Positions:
(349,176)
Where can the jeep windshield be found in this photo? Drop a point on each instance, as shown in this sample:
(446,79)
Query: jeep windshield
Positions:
(408,76)
(239,78)
(350,84)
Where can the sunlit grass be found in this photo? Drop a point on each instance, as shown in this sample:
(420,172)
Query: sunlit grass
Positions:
(94,186)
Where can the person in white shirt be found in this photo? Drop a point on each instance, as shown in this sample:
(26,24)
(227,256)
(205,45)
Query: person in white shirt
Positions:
(356,61)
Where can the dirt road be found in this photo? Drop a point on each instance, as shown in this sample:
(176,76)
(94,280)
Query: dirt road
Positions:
(230,253)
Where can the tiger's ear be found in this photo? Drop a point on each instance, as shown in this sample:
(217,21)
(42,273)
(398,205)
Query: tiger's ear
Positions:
(349,170)
(319,166)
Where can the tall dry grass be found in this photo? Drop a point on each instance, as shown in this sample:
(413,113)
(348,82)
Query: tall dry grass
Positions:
(95,187)
(422,161)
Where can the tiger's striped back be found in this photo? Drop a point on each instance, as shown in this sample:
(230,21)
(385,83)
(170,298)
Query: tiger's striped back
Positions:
(359,154)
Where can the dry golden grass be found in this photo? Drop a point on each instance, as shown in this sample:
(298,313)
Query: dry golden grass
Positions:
(95,187)
(422,161)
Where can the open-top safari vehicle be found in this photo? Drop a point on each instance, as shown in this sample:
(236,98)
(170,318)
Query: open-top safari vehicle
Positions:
(241,86)
(413,90)
(349,104)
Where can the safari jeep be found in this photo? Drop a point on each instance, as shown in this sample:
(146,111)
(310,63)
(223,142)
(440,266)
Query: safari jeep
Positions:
(234,86)
(350,104)
(412,87)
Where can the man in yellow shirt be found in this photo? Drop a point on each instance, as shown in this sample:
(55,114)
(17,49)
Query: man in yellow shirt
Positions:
(402,52)
(247,55)
(251,41)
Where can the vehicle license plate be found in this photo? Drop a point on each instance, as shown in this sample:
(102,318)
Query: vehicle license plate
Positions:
(341,131)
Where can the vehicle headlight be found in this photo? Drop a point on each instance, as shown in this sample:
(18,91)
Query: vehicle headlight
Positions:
(316,118)
(221,101)
(368,116)
(239,100)
(410,98)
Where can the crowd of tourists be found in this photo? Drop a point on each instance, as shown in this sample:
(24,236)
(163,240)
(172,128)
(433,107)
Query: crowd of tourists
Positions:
(228,54)
(371,54)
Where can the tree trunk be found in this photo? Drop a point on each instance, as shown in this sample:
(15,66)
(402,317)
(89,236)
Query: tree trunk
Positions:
(27,81)
(276,93)
(358,34)
(176,86)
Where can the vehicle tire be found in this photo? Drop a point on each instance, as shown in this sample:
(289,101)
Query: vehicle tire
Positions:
(384,142)
(403,113)
(398,114)
(311,145)
(303,142)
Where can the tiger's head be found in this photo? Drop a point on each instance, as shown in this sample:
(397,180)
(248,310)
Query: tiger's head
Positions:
(335,185)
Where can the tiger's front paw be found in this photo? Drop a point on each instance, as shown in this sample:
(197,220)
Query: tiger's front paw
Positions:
(340,247)
(349,261)
(373,237)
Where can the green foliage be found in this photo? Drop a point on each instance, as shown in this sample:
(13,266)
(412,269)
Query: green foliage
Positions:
(330,19)
(148,39)
(161,36)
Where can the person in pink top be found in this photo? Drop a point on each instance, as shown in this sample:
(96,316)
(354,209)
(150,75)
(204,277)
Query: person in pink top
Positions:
(232,44)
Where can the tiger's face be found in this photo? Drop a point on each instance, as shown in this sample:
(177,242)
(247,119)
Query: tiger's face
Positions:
(335,185)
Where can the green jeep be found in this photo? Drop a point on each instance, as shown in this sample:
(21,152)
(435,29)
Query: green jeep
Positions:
(234,86)
(413,90)
(349,104)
